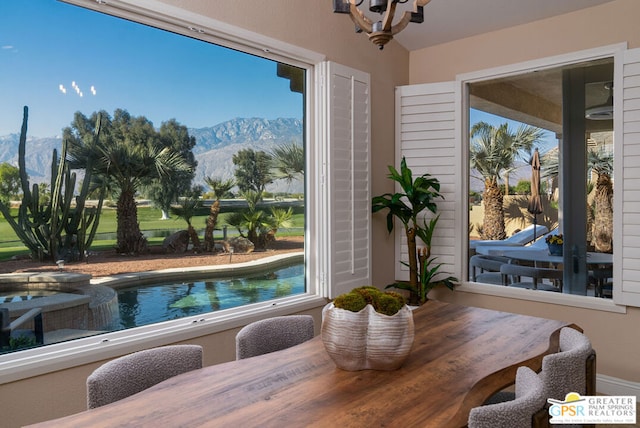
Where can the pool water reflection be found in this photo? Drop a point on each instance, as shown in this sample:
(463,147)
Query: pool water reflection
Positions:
(148,304)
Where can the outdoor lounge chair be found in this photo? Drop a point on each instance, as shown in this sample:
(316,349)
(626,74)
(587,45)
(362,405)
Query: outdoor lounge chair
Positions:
(523,237)
(499,249)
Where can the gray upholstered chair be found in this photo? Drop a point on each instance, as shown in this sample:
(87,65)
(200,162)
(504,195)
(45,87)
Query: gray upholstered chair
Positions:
(130,374)
(273,334)
(570,370)
(516,413)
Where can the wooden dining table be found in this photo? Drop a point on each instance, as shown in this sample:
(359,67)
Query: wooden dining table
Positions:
(461,356)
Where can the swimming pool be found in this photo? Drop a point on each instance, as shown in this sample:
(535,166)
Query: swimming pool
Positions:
(147,304)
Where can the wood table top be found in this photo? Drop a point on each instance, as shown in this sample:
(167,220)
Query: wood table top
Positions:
(461,356)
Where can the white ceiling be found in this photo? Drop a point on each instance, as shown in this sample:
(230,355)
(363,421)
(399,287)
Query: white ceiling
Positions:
(447,20)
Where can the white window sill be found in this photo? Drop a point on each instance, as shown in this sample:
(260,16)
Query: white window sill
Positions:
(586,302)
(50,358)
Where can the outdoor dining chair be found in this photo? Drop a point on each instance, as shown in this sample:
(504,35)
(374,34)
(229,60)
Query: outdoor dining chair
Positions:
(515,275)
(487,268)
(516,413)
(130,374)
(273,334)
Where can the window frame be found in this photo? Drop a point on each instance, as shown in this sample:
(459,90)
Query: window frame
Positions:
(616,51)
(54,357)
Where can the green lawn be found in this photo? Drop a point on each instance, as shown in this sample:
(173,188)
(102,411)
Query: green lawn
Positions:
(149,219)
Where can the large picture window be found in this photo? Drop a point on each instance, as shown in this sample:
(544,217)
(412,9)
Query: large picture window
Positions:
(541,173)
(238,118)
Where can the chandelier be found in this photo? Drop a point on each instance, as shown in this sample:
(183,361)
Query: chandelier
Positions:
(380,32)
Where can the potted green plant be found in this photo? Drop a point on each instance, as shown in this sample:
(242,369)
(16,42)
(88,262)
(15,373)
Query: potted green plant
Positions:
(368,329)
(407,205)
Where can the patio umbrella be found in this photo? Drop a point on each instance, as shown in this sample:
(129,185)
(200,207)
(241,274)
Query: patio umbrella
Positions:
(535,203)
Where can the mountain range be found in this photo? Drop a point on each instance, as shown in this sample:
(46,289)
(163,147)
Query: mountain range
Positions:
(215,146)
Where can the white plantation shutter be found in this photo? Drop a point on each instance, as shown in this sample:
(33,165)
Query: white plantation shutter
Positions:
(428,135)
(346,155)
(627,182)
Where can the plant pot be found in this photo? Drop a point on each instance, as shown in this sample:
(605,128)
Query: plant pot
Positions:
(555,249)
(367,339)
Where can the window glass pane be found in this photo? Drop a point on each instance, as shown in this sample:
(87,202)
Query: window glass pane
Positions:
(566,114)
(240,117)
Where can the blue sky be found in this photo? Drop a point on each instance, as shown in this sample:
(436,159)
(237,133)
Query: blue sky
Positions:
(51,52)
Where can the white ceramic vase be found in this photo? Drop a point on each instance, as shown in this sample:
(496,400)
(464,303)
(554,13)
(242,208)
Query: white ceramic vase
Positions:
(367,339)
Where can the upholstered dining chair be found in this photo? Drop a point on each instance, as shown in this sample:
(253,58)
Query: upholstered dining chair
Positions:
(572,369)
(273,334)
(516,413)
(130,374)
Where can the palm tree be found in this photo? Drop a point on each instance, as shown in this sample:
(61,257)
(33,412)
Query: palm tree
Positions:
(279,218)
(600,211)
(255,221)
(127,155)
(601,162)
(187,209)
(288,162)
(219,187)
(493,153)
(261,227)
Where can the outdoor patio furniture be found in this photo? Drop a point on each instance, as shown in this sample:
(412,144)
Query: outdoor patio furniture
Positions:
(513,274)
(500,249)
(486,269)
(523,237)
(602,275)
(130,374)
(273,334)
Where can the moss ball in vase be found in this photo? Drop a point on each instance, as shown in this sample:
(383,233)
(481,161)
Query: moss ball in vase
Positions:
(368,329)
